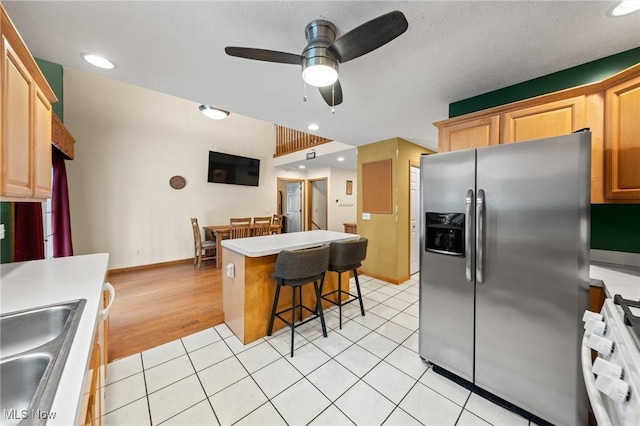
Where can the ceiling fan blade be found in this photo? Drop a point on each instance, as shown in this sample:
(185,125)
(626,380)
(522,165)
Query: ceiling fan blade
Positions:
(263,55)
(332,94)
(369,36)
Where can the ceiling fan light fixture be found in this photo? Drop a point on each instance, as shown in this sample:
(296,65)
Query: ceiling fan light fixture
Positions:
(320,71)
(213,113)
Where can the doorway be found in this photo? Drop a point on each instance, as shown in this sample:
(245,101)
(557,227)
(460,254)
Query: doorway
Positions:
(290,196)
(414,219)
(317,204)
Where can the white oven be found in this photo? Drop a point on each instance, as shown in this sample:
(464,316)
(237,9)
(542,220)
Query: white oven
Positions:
(613,379)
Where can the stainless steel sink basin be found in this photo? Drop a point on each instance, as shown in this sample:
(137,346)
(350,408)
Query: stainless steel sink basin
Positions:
(34,345)
(22,331)
(21,377)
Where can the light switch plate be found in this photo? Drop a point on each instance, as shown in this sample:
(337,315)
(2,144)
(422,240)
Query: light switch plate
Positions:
(1,231)
(366,216)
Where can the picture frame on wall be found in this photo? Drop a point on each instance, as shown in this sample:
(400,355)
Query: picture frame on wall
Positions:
(349,187)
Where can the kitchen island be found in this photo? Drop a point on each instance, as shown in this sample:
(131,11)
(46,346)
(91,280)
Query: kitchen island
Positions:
(248,291)
(26,285)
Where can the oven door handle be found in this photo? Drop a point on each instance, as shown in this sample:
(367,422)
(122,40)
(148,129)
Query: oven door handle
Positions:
(595,397)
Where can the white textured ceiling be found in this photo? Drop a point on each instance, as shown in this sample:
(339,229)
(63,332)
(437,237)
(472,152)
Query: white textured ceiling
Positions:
(452,50)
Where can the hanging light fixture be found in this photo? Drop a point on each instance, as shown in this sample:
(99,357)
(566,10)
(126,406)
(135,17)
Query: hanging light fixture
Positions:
(213,113)
(320,71)
(319,66)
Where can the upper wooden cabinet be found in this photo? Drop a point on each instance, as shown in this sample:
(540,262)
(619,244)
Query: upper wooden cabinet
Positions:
(473,133)
(610,108)
(25,122)
(544,121)
(622,140)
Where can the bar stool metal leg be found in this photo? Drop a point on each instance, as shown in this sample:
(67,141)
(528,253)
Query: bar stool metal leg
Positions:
(340,297)
(293,317)
(319,307)
(355,274)
(273,310)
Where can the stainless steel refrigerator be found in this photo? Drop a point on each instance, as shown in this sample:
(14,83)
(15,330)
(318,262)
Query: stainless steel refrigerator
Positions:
(504,270)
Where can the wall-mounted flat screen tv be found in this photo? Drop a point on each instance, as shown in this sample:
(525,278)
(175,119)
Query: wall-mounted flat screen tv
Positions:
(233,169)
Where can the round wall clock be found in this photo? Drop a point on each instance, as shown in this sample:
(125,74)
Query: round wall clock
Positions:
(177,182)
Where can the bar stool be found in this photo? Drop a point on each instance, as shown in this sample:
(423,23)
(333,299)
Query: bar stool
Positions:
(346,256)
(295,268)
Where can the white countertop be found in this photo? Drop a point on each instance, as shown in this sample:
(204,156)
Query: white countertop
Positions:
(25,285)
(273,244)
(617,279)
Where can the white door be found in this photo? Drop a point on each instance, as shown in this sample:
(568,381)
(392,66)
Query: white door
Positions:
(294,207)
(414,221)
(318,204)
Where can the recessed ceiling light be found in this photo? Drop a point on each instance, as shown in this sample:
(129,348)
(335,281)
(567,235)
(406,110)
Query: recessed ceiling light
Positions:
(301,166)
(313,126)
(213,113)
(99,61)
(626,7)
(340,158)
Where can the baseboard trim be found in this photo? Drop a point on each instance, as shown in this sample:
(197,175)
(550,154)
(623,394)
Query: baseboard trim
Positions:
(383,278)
(149,266)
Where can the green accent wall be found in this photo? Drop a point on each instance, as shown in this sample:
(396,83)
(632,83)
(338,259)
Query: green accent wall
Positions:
(53,73)
(577,76)
(614,227)
(6,252)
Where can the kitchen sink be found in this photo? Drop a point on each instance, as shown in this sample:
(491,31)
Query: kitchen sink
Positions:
(26,330)
(34,345)
(21,377)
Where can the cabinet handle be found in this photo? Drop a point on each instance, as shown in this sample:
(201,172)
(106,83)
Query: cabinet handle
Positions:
(112,296)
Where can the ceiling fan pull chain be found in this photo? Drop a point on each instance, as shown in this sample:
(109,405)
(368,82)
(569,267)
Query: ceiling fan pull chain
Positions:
(304,90)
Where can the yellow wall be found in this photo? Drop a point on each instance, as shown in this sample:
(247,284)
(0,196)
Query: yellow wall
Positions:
(388,234)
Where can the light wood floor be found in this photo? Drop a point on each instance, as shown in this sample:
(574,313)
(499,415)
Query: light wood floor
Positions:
(161,304)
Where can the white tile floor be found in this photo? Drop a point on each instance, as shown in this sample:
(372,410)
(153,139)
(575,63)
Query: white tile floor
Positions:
(368,373)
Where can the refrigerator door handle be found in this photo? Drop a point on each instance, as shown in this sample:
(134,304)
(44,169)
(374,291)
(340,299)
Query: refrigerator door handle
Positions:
(468,244)
(480,236)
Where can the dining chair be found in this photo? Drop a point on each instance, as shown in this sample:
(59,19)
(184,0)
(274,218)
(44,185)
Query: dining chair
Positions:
(240,227)
(294,269)
(261,226)
(277,220)
(202,250)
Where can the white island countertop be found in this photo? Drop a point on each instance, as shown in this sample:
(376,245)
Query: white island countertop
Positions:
(273,244)
(25,285)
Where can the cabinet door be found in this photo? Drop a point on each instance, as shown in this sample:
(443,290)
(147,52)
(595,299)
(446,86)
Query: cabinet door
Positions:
(469,134)
(544,121)
(622,141)
(41,146)
(17,86)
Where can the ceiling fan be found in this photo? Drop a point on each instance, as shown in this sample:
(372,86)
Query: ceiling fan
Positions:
(323,53)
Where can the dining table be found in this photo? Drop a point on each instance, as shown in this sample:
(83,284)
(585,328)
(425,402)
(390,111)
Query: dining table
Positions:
(218,233)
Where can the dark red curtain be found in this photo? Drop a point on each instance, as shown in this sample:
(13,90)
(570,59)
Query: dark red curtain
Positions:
(29,232)
(60,215)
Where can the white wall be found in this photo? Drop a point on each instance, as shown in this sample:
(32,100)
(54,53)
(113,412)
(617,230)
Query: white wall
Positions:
(129,142)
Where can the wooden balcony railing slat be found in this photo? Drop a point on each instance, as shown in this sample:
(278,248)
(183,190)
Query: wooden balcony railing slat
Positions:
(291,140)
